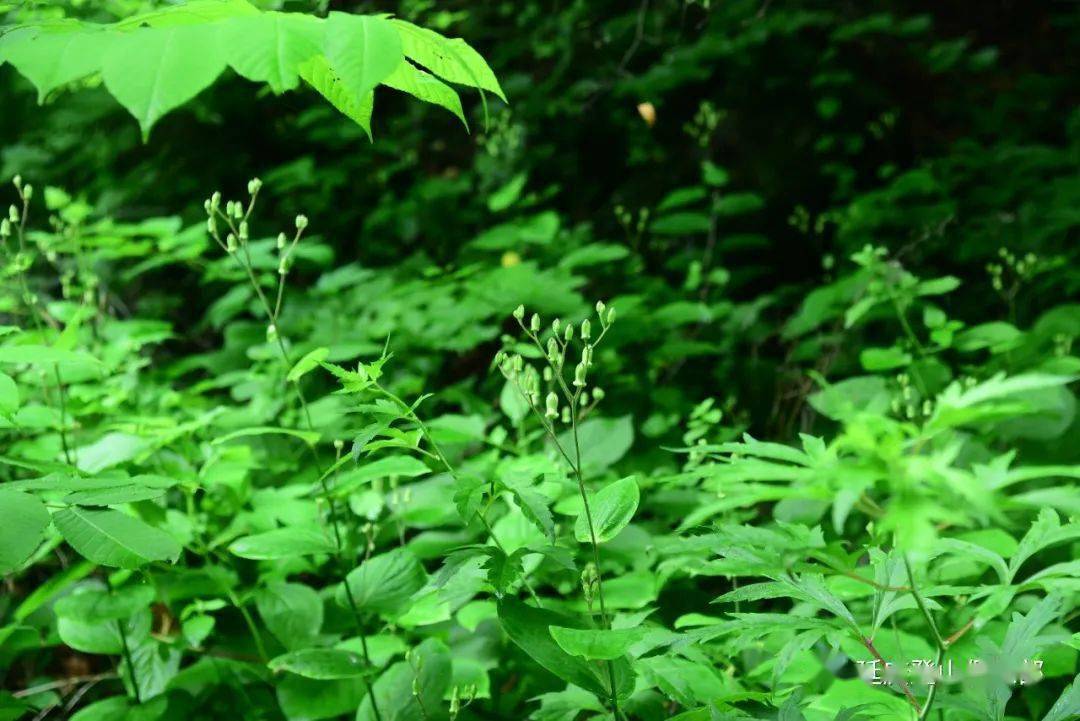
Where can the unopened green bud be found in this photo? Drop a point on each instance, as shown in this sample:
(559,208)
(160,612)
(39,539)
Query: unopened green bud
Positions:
(271,333)
(28,192)
(584,398)
(568,333)
(13,214)
(5,228)
(243,230)
(230,243)
(17,180)
(579,375)
(519,312)
(211,225)
(553,350)
(548,375)
(586,329)
(254,185)
(565,415)
(600,307)
(534,323)
(611,315)
(281,241)
(215,200)
(598,394)
(283,267)
(555,325)
(552,405)
(301,222)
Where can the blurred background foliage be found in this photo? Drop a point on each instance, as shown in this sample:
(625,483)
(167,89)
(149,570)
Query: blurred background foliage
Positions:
(707,164)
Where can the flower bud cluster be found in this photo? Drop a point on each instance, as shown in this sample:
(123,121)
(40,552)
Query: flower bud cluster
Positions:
(553,395)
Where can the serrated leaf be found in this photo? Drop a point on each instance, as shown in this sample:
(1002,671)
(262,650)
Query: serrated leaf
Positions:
(151,71)
(408,78)
(282,543)
(535,507)
(111,538)
(317,73)
(321,664)
(362,50)
(452,59)
(612,508)
(23,520)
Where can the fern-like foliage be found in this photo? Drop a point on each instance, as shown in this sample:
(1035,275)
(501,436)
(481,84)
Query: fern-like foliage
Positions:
(155,62)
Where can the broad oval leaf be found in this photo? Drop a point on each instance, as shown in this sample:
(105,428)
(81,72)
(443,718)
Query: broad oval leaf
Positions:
(321,664)
(282,543)
(597,643)
(270,47)
(292,611)
(99,606)
(23,520)
(111,538)
(151,71)
(362,50)
(382,584)
(528,627)
(612,508)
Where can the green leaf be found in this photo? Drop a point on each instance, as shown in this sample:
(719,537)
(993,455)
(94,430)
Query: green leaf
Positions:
(151,71)
(535,507)
(362,50)
(308,363)
(317,73)
(412,690)
(113,496)
(603,441)
(322,664)
(292,611)
(452,59)
(612,508)
(23,520)
(309,437)
(1046,531)
(1068,704)
(283,543)
(9,395)
(883,359)
(99,606)
(382,584)
(529,628)
(271,46)
(55,55)
(408,78)
(111,538)
(590,643)
(42,355)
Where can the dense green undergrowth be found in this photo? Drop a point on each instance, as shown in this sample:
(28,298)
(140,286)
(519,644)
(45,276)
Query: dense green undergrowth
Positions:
(542,465)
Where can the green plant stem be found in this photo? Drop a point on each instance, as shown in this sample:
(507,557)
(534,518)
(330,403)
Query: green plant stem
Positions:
(941,643)
(572,398)
(272,313)
(441,457)
(126,649)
